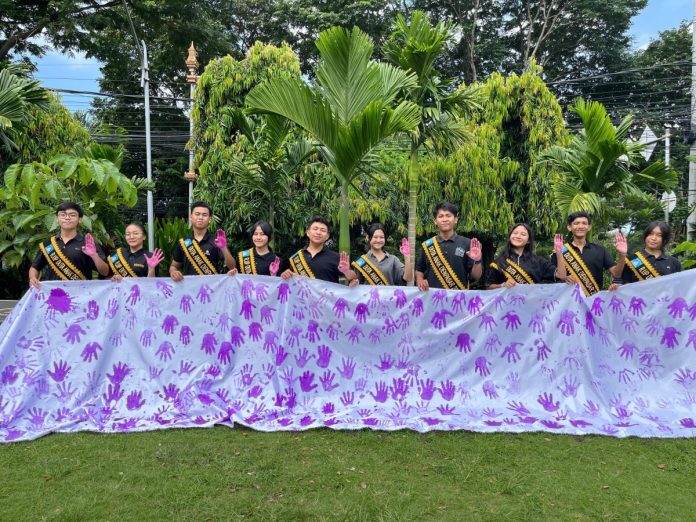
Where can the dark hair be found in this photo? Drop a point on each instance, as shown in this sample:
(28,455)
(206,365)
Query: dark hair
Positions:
(580,214)
(664,229)
(319,219)
(447,207)
(70,205)
(374,227)
(265,228)
(508,251)
(139,225)
(201,204)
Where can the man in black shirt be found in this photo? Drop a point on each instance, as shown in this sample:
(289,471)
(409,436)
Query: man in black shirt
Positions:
(200,253)
(68,255)
(317,261)
(585,262)
(448,260)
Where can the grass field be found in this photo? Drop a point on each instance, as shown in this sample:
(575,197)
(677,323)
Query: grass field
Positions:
(238,474)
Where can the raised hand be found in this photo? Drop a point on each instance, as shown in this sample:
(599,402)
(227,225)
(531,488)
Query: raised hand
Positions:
(621,244)
(275,265)
(558,243)
(221,239)
(90,248)
(405,248)
(343,263)
(474,250)
(155,259)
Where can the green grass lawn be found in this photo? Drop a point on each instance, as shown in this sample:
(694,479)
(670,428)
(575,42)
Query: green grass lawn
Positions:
(238,474)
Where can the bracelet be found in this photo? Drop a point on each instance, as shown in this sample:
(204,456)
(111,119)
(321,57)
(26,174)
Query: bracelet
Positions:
(478,262)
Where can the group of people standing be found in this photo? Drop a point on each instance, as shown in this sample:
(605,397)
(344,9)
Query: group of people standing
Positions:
(446,260)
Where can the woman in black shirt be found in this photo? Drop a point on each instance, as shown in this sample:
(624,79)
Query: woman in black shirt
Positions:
(651,261)
(134,261)
(260,259)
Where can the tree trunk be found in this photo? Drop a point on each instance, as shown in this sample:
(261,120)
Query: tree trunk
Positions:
(343,218)
(413,183)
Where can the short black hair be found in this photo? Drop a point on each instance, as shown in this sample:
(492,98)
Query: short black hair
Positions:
(374,227)
(664,230)
(70,205)
(201,204)
(265,227)
(319,219)
(447,207)
(137,224)
(580,214)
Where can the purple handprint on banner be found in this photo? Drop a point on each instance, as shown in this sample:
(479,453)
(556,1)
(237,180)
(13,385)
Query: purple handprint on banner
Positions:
(458,302)
(362,312)
(597,308)
(283,292)
(247,288)
(510,352)
(134,295)
(73,333)
(111,308)
(135,400)
(654,327)
(293,337)
(636,306)
(327,381)
(60,371)
(280,355)
(185,303)
(519,408)
(347,368)
(255,331)
(354,334)
(270,341)
(91,352)
(475,305)
(9,376)
(165,351)
(482,366)
(298,312)
(374,300)
(536,323)
(306,382)
(677,308)
(204,294)
(439,297)
(185,335)
(417,307)
(246,375)
(165,288)
(426,389)
(512,321)
(439,319)
(566,323)
(267,314)
(247,309)
(570,386)
(627,350)
(399,389)
(92,311)
(670,337)
(225,352)
(340,308)
(323,356)
(589,323)
(169,324)
(464,342)
(447,390)
(237,336)
(313,330)
(36,417)
(489,389)
(381,392)
(303,357)
(120,372)
(493,343)
(488,323)
(147,336)
(692,339)
(209,343)
(386,362)
(546,400)
(617,305)
(400,297)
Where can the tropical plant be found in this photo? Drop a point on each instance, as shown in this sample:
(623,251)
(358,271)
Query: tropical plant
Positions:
(600,164)
(688,251)
(32,191)
(414,46)
(349,112)
(18,93)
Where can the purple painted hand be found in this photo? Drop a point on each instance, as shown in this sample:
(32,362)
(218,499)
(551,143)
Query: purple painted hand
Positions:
(439,297)
(354,334)
(209,344)
(237,336)
(447,390)
(482,366)
(185,335)
(566,323)
(165,351)
(60,371)
(73,333)
(255,331)
(362,312)
(510,352)
(347,368)
(439,319)
(306,380)
(543,351)
(165,288)
(458,302)
(134,295)
(386,362)
(417,307)
(399,389)
(340,308)
(327,381)
(147,337)
(169,324)
(512,321)
(135,400)
(303,357)
(204,294)
(121,371)
(546,400)
(280,355)
(283,292)
(92,310)
(537,322)
(597,306)
(488,323)
(91,352)
(464,342)
(670,337)
(381,392)
(400,297)
(677,308)
(185,303)
(111,308)
(225,353)
(426,389)
(475,304)
(270,341)
(636,306)
(324,356)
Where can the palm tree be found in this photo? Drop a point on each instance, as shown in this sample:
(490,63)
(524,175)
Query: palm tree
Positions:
(415,47)
(17,93)
(598,165)
(349,111)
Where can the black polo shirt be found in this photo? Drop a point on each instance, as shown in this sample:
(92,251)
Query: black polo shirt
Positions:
(664,265)
(454,251)
(263,262)
(538,268)
(324,264)
(73,251)
(136,260)
(208,247)
(596,258)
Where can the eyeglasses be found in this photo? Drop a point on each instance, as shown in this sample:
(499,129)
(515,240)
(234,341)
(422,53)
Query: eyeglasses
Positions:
(69,215)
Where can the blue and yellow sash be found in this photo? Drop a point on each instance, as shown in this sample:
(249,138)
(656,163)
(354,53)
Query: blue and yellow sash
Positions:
(514,272)
(299,265)
(119,265)
(247,262)
(578,269)
(199,261)
(642,268)
(443,271)
(59,263)
(370,272)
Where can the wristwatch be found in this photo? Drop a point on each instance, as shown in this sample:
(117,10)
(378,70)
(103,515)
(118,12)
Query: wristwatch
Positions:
(478,262)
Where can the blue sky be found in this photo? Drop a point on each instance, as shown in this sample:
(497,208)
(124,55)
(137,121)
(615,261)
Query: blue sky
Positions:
(60,71)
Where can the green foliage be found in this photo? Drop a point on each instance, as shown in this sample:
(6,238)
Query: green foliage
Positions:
(349,112)
(167,233)
(688,249)
(599,164)
(31,192)
(18,95)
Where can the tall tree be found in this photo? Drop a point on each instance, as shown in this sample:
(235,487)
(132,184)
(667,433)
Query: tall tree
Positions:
(350,110)
(19,95)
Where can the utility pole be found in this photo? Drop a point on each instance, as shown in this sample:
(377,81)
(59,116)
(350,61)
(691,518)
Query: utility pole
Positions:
(691,220)
(192,80)
(667,159)
(145,84)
